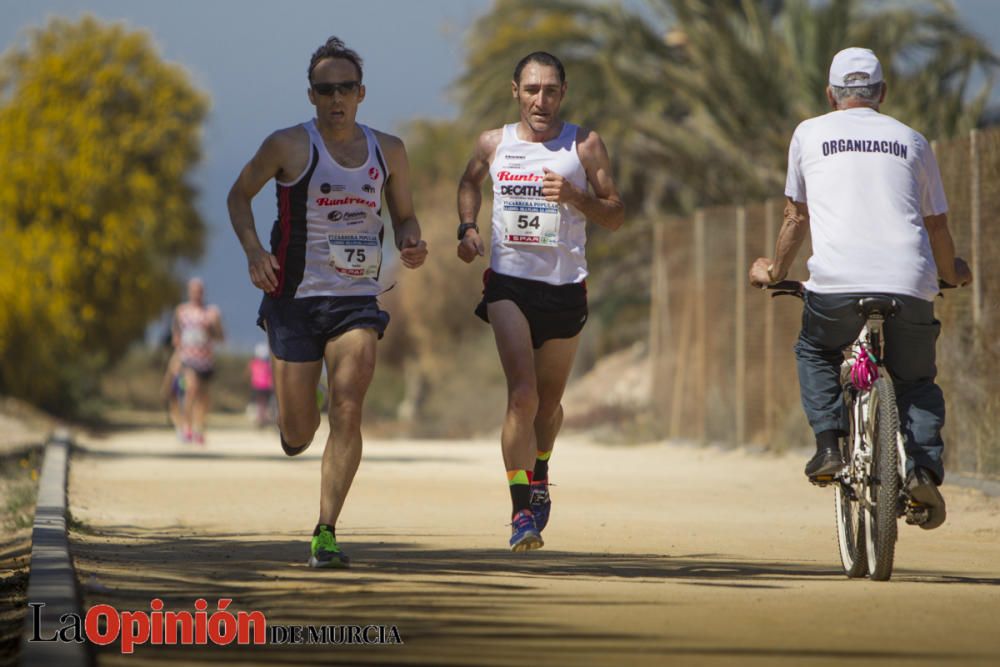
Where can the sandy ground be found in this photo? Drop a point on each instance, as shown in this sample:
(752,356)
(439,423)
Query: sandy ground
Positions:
(656,554)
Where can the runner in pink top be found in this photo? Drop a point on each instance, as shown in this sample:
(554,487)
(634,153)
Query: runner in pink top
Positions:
(262,383)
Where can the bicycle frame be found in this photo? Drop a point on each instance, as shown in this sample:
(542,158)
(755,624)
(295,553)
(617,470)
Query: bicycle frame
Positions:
(870,339)
(869,497)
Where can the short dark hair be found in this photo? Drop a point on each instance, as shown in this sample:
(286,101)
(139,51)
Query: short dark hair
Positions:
(334,48)
(543,58)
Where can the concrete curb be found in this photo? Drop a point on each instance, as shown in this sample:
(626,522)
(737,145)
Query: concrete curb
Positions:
(51,580)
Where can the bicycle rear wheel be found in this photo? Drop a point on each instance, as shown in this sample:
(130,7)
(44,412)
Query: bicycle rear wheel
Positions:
(882,488)
(850,516)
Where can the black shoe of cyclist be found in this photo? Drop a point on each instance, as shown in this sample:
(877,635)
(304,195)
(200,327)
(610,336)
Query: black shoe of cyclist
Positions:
(824,464)
(922,488)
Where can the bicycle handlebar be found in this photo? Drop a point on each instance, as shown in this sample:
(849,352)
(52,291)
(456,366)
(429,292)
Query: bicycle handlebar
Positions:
(785,285)
(796,288)
(786,288)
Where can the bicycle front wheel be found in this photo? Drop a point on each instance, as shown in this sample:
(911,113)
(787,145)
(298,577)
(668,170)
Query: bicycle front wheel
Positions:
(850,516)
(882,487)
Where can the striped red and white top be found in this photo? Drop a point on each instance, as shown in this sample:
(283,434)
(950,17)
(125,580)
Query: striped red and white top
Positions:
(328,235)
(196,343)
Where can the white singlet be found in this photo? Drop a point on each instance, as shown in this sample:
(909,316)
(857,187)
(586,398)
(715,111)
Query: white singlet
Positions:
(534,238)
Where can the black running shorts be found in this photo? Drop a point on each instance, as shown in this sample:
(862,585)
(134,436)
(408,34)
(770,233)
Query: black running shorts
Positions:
(552,311)
(298,329)
(204,374)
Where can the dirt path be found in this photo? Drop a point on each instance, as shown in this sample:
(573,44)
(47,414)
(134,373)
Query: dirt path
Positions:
(656,554)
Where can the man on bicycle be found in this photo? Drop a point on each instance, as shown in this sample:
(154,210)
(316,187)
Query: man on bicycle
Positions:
(869,189)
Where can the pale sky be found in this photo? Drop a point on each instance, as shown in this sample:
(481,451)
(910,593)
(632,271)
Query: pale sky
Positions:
(251,57)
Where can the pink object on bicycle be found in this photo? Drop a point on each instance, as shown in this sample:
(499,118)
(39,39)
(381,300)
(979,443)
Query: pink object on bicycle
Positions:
(864,372)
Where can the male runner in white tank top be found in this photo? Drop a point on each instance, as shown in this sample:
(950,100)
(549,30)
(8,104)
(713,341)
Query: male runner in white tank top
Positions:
(320,278)
(535,293)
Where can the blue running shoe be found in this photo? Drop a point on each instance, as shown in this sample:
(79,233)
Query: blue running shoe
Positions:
(541,504)
(524,533)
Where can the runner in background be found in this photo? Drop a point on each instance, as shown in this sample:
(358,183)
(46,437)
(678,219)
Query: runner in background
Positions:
(196,328)
(261,384)
(172,391)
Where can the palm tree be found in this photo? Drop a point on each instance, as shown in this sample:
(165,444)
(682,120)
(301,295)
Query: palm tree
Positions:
(761,70)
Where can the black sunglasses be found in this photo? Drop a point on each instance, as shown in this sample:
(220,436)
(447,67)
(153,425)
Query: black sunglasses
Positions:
(342,87)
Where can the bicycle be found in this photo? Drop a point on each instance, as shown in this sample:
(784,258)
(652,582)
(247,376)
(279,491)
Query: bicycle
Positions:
(869,493)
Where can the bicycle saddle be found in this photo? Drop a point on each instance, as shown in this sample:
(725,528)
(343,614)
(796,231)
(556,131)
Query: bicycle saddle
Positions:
(883,305)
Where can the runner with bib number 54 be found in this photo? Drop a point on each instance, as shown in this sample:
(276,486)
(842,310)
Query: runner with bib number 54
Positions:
(534,292)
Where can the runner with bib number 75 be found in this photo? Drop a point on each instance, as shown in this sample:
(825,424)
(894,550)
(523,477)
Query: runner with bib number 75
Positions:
(534,292)
(320,278)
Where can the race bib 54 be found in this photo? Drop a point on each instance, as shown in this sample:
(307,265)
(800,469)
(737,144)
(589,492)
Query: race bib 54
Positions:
(531,222)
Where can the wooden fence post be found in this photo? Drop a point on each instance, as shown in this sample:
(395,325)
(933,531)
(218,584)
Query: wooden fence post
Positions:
(660,324)
(701,326)
(740,389)
(975,218)
(769,407)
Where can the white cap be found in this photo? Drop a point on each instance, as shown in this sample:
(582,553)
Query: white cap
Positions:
(855,61)
(260,351)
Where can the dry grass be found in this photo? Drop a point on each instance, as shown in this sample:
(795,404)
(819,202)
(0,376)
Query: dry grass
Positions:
(18,488)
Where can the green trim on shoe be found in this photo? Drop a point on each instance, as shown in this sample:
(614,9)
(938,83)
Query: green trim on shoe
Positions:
(325,552)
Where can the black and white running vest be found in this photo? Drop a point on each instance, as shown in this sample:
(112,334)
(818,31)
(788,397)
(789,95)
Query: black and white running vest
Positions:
(328,235)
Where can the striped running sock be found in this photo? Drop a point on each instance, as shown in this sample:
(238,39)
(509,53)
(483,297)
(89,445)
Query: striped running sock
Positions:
(520,489)
(542,466)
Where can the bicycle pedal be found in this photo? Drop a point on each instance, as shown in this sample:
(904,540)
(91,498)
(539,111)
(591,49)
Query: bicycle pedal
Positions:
(821,480)
(917,515)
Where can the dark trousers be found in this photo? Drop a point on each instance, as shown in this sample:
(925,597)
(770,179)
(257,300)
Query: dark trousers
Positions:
(830,323)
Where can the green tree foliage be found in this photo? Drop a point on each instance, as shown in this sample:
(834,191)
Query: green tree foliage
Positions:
(97,136)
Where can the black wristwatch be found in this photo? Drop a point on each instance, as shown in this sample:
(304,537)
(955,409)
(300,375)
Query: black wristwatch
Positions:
(464,227)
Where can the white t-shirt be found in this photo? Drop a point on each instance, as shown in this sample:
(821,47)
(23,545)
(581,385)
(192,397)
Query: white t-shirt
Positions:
(869,181)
